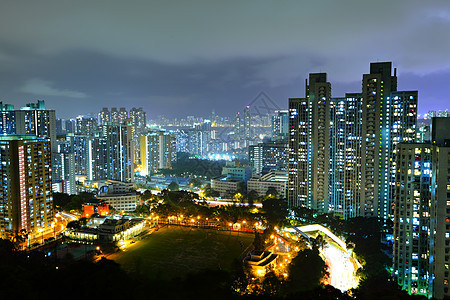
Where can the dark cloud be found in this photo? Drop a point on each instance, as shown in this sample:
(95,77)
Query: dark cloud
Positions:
(178,57)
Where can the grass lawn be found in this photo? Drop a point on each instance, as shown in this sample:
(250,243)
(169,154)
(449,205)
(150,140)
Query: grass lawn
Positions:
(175,251)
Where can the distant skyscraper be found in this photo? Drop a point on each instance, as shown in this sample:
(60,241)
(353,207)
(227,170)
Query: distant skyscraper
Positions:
(247,123)
(114,116)
(119,152)
(79,145)
(35,120)
(64,166)
(123,115)
(158,151)
(280,125)
(85,126)
(138,119)
(104,116)
(7,119)
(237,126)
(268,156)
(26,201)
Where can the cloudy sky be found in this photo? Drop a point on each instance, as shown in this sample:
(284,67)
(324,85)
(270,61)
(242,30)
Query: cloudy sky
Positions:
(183,58)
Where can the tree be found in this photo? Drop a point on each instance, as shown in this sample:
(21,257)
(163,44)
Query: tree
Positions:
(142,210)
(271,284)
(310,261)
(275,211)
(271,192)
(258,242)
(319,242)
(195,182)
(209,192)
(146,195)
(173,186)
(252,196)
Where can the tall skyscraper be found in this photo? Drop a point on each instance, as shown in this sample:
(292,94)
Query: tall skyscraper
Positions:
(85,125)
(237,126)
(138,119)
(298,153)
(123,115)
(280,125)
(158,151)
(34,119)
(343,150)
(310,133)
(119,152)
(247,132)
(345,156)
(389,118)
(268,156)
(104,116)
(7,119)
(26,189)
(422,212)
(64,166)
(114,115)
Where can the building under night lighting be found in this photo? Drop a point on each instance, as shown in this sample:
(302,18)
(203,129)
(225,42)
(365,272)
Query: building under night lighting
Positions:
(26,189)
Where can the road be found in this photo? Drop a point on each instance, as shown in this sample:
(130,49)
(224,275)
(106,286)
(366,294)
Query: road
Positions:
(340,266)
(61,221)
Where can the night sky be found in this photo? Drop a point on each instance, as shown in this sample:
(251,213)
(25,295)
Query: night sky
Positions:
(181,58)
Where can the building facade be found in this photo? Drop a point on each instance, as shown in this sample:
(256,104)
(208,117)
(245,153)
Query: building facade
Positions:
(421,251)
(26,189)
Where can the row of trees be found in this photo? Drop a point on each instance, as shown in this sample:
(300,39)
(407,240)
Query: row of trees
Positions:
(65,202)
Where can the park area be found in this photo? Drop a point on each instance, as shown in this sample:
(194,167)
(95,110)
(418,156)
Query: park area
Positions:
(175,251)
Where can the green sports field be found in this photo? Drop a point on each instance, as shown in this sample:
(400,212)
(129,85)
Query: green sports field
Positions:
(176,251)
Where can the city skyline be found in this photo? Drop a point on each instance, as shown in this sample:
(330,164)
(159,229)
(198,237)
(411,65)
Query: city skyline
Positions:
(80,58)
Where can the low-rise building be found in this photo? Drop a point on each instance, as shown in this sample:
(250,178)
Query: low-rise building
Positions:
(276,180)
(226,185)
(95,206)
(111,229)
(121,202)
(236,172)
(260,262)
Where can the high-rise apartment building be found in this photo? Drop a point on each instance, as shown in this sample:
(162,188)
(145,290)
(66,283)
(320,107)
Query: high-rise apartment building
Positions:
(247,129)
(158,151)
(119,152)
(26,189)
(123,115)
(268,156)
(114,115)
(297,194)
(335,143)
(35,120)
(104,116)
(64,167)
(85,125)
(389,118)
(345,156)
(237,125)
(138,119)
(421,251)
(309,137)
(280,125)
(7,119)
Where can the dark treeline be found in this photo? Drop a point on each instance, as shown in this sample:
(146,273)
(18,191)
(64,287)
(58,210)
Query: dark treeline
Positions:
(187,165)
